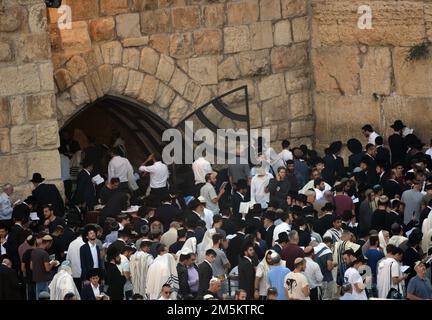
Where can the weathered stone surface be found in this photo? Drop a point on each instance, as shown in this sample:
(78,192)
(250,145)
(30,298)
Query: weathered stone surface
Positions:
(269,107)
(65,105)
(141,5)
(255,116)
(291,8)
(178,111)
(75,39)
(165,68)
(204,70)
(135,42)
(79,94)
(302,128)
(77,68)
(23,138)
(102,29)
(300,28)
(300,105)
(134,83)
(226,86)
(47,134)
(261,35)
(4,112)
(21,79)
(38,18)
(47,163)
(148,90)
(228,69)
(94,82)
(297,80)
(271,86)
(178,81)
(204,96)
(33,47)
(19,172)
(149,60)
(6,53)
(336,70)
(181,45)
(131,58)
(112,52)
(160,42)
(165,96)
(186,18)
(282,33)
(17,111)
(83,9)
(120,78)
(283,58)
(46,71)
(405,72)
(213,15)
(155,21)
(236,39)
(191,91)
(207,42)
(375,71)
(4,140)
(105,75)
(270,9)
(40,107)
(398,23)
(128,25)
(112,7)
(254,63)
(11,18)
(243,12)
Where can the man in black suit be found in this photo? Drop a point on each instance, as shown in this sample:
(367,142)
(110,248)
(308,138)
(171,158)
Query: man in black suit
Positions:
(397,143)
(205,272)
(89,252)
(235,244)
(253,219)
(9,288)
(382,153)
(123,237)
(334,166)
(182,273)
(281,242)
(240,195)
(114,279)
(325,222)
(93,290)
(17,236)
(195,212)
(228,224)
(47,194)
(268,228)
(85,194)
(167,212)
(246,271)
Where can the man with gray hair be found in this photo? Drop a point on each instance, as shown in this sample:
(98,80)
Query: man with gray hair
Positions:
(5,202)
(292,250)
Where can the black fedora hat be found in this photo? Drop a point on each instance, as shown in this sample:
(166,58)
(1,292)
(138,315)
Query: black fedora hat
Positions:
(37,178)
(398,125)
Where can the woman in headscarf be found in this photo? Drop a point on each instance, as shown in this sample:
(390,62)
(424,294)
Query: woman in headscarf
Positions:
(63,283)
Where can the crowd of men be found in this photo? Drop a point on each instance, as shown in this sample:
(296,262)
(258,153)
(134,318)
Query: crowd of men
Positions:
(295,226)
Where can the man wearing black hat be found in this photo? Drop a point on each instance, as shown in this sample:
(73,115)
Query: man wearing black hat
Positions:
(85,194)
(114,279)
(284,226)
(240,195)
(93,290)
(325,222)
(268,228)
(233,250)
(123,237)
(47,194)
(334,166)
(397,143)
(281,242)
(89,253)
(167,212)
(253,219)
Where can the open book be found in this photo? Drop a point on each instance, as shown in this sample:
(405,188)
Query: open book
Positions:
(245,206)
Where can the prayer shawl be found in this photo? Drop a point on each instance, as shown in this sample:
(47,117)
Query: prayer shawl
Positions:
(63,283)
(189,246)
(383,276)
(322,249)
(382,242)
(339,249)
(427,232)
(265,267)
(397,240)
(162,270)
(206,243)
(139,265)
(333,233)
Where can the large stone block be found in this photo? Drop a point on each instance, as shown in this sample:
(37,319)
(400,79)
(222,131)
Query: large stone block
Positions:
(148,90)
(243,12)
(254,63)
(160,42)
(239,96)
(165,68)
(77,68)
(40,107)
(271,86)
(228,69)
(165,96)
(178,81)
(106,75)
(79,94)
(336,70)
(283,58)
(135,42)
(213,15)
(47,134)
(300,105)
(33,47)
(303,128)
(413,78)
(112,7)
(94,86)
(64,105)
(297,79)
(255,115)
(19,172)
(291,8)
(149,60)
(261,35)
(38,18)
(83,9)
(178,111)
(181,45)
(186,18)
(236,39)
(46,72)
(4,140)
(102,29)
(270,9)
(11,18)
(142,5)
(204,70)
(21,79)
(398,23)
(300,28)
(128,25)
(282,33)
(131,58)
(6,52)
(76,39)
(156,21)
(375,72)
(207,42)
(191,91)
(4,112)
(269,107)
(112,52)
(23,138)
(17,111)
(120,78)
(47,163)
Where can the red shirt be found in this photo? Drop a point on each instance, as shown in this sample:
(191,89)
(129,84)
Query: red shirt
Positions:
(342,203)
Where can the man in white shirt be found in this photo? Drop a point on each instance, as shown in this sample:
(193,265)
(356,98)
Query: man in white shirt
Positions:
(319,188)
(207,214)
(259,187)
(121,168)
(286,154)
(5,202)
(284,226)
(353,277)
(369,133)
(313,274)
(73,255)
(158,174)
(200,168)
(208,192)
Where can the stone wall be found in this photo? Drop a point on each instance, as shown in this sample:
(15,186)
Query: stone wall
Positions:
(28,123)
(362,76)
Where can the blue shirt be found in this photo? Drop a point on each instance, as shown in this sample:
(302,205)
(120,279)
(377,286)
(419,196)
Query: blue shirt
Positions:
(421,288)
(5,207)
(276,277)
(374,255)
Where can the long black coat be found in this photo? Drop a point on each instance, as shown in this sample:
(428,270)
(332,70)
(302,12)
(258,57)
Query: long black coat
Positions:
(333,167)
(398,148)
(49,194)
(246,276)
(87,260)
(9,289)
(85,191)
(115,282)
(234,249)
(17,236)
(205,273)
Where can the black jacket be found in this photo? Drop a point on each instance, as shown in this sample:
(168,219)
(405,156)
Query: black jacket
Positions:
(246,273)
(119,245)
(321,225)
(228,225)
(85,191)
(235,200)
(268,235)
(16,237)
(383,156)
(115,282)
(166,213)
(49,194)
(87,292)
(333,168)
(87,260)
(234,249)
(9,289)
(205,273)
(182,274)
(398,148)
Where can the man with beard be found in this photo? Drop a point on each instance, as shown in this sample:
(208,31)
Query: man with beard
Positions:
(114,279)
